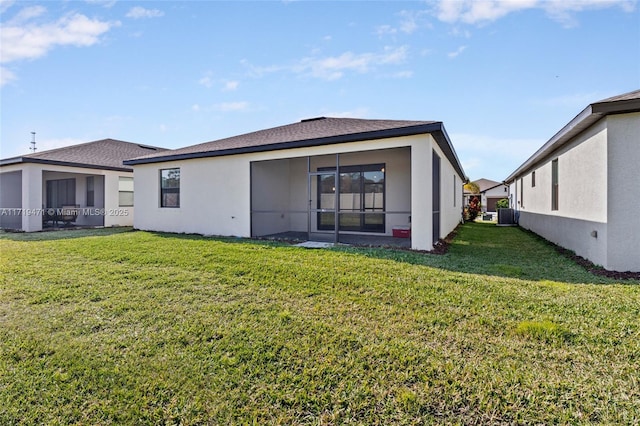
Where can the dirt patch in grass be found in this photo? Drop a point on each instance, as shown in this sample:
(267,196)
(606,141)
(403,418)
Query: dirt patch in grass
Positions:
(442,246)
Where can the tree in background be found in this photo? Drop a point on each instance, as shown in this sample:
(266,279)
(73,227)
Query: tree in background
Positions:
(472,188)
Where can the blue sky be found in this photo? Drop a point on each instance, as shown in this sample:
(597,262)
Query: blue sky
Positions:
(503,76)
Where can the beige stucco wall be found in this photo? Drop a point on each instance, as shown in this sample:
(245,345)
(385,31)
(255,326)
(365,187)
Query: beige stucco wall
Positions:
(497,192)
(215,192)
(582,177)
(596,217)
(582,201)
(624,203)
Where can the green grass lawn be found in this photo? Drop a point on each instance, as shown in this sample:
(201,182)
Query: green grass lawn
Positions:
(113,327)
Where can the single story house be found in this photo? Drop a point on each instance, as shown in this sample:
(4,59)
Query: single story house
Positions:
(370,177)
(490,193)
(578,190)
(85,185)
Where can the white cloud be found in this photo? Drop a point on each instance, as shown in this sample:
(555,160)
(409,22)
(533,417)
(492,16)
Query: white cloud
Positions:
(227,85)
(562,11)
(486,11)
(206,81)
(459,32)
(457,52)
(139,12)
(30,41)
(6,4)
(195,107)
(385,30)
(26,14)
(232,106)
(230,86)
(403,74)
(258,71)
(392,55)
(6,76)
(334,67)
(410,21)
(426,52)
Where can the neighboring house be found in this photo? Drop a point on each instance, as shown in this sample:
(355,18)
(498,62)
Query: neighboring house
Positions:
(85,185)
(578,190)
(370,176)
(490,193)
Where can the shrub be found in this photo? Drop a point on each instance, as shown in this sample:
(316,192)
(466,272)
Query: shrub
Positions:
(503,204)
(472,211)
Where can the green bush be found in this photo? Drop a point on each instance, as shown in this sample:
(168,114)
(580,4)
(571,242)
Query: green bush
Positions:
(472,211)
(503,204)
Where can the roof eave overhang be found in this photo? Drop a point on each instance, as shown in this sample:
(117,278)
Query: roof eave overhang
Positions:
(435,128)
(589,116)
(617,107)
(11,161)
(442,138)
(22,160)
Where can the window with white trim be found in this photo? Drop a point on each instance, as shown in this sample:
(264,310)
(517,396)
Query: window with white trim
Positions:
(125,191)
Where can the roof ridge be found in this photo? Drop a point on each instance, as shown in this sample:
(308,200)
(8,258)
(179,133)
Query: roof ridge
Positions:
(102,154)
(61,148)
(208,145)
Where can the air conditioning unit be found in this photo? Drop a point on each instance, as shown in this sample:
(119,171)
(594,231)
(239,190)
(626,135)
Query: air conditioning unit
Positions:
(505,217)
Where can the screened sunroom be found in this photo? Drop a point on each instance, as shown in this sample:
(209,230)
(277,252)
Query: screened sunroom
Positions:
(367,193)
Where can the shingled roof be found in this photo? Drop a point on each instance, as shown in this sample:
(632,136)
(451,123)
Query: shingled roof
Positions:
(620,104)
(107,154)
(308,133)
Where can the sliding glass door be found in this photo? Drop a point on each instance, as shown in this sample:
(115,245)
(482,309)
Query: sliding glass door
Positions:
(362,195)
